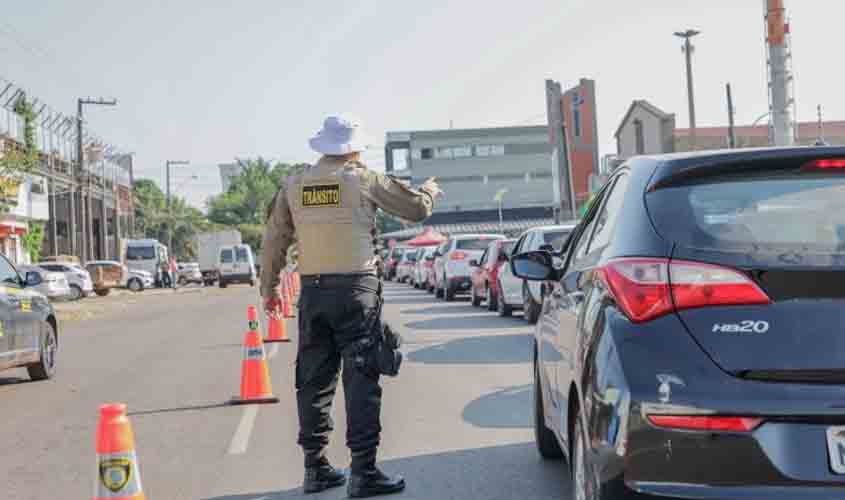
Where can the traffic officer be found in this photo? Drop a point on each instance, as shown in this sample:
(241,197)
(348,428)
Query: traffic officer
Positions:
(331,209)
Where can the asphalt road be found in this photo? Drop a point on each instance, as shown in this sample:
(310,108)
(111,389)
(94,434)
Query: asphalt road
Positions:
(457,422)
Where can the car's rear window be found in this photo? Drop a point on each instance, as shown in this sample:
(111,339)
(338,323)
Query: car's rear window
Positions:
(226,256)
(473,244)
(556,238)
(140,253)
(242,254)
(795,213)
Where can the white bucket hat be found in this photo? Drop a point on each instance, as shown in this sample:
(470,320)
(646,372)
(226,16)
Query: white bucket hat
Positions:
(340,135)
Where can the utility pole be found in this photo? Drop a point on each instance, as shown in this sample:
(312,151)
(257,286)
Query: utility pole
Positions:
(169,212)
(731,128)
(688,50)
(87,243)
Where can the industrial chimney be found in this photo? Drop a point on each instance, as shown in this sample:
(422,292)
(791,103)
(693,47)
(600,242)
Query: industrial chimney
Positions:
(781,100)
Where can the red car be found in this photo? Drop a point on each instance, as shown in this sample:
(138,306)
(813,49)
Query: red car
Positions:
(485,272)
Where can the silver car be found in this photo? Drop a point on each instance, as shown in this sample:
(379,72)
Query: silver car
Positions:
(81,284)
(53,285)
(189,272)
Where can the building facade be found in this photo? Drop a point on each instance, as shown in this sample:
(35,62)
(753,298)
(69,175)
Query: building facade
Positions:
(647,130)
(228,171)
(473,165)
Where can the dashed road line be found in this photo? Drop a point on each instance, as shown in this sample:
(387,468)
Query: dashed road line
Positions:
(240,441)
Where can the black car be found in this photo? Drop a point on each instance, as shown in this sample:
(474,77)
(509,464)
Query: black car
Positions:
(691,346)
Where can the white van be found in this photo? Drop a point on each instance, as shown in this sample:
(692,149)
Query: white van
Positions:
(236,264)
(146,255)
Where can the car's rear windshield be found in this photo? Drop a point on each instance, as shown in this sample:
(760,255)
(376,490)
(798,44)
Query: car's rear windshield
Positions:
(226,256)
(556,238)
(472,244)
(140,253)
(242,254)
(785,214)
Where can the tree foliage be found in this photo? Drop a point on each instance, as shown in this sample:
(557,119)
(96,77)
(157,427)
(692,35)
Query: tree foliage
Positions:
(33,240)
(16,162)
(152,219)
(245,204)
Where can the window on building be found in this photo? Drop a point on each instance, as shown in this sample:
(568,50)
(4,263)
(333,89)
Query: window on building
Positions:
(416,154)
(489,149)
(640,138)
(576,120)
(461,151)
(427,153)
(444,153)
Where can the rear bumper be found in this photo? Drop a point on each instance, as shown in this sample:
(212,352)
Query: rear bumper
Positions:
(460,283)
(237,278)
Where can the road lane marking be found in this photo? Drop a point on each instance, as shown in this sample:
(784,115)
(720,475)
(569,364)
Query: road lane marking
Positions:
(273,351)
(240,441)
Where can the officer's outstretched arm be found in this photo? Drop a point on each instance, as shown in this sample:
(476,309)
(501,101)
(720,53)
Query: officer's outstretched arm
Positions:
(397,198)
(278,236)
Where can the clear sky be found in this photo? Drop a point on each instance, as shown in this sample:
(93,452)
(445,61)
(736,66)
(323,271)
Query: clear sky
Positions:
(209,80)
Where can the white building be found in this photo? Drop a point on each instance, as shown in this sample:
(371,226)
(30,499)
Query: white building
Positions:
(229,171)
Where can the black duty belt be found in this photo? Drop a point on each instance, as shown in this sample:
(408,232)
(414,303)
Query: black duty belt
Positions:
(334,280)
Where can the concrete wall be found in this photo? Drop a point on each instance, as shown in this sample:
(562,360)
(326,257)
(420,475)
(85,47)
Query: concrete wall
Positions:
(522,165)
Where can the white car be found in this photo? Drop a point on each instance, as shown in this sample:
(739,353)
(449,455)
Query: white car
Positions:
(53,285)
(138,280)
(516,293)
(424,267)
(79,280)
(452,270)
(405,268)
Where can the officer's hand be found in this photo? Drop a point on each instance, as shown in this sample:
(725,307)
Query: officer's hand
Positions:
(273,306)
(431,187)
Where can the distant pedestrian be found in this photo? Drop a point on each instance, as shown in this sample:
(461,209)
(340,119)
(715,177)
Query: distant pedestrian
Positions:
(331,207)
(174,272)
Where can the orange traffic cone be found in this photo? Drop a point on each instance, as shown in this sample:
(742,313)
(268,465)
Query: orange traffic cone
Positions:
(276,330)
(255,375)
(118,475)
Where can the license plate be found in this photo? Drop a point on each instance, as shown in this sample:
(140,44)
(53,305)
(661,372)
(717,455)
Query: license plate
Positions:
(836,449)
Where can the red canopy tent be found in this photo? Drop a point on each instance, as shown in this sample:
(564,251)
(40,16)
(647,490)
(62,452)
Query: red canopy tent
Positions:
(429,237)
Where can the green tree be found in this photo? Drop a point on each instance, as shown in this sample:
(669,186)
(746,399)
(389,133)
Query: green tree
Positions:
(33,240)
(14,163)
(152,218)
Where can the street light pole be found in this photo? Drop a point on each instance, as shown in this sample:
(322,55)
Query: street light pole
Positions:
(80,156)
(500,196)
(688,50)
(169,211)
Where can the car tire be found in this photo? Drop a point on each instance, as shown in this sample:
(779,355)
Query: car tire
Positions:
(252,283)
(505,310)
(222,284)
(545,439)
(135,285)
(102,292)
(532,310)
(582,479)
(448,293)
(476,300)
(45,368)
(491,299)
(438,292)
(76,293)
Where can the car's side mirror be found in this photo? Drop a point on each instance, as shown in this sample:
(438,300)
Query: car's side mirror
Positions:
(473,263)
(533,266)
(32,279)
(548,248)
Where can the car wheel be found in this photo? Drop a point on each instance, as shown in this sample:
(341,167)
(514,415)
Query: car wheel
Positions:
(45,368)
(438,291)
(545,439)
(223,284)
(583,481)
(76,292)
(491,299)
(532,310)
(505,310)
(252,283)
(135,285)
(476,300)
(449,292)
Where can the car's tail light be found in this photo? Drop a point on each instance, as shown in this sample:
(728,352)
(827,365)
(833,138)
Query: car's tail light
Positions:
(706,423)
(457,255)
(824,164)
(649,288)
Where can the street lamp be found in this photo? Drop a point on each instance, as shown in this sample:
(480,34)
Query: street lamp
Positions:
(688,50)
(169,212)
(500,196)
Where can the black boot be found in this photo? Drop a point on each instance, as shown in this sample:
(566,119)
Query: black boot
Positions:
(373,482)
(322,477)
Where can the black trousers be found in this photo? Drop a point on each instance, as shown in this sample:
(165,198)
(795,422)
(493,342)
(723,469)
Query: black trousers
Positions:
(335,313)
